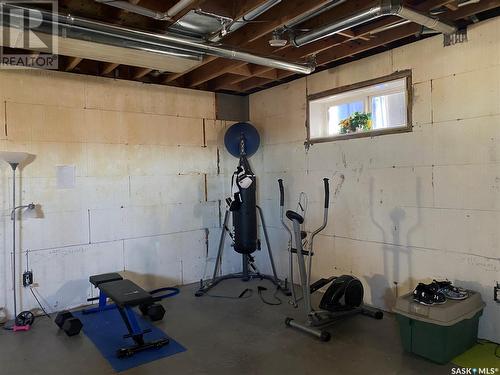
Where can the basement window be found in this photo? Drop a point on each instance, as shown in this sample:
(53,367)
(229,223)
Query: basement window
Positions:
(366,109)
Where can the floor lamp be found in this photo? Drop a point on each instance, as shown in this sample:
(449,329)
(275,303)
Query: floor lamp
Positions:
(14,159)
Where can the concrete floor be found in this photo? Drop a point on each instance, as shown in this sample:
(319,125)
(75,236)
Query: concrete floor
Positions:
(226,336)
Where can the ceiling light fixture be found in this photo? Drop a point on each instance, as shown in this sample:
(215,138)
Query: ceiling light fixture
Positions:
(277,39)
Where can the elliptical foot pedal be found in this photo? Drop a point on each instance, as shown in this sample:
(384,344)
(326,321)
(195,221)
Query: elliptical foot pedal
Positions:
(129,352)
(321,283)
(325,336)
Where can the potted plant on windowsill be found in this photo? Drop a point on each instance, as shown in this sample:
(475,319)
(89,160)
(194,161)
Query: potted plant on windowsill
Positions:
(355,123)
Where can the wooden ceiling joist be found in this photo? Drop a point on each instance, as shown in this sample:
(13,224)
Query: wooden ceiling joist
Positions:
(213,69)
(241,70)
(277,16)
(107,68)
(343,10)
(472,9)
(72,63)
(215,73)
(243,7)
(141,72)
(353,47)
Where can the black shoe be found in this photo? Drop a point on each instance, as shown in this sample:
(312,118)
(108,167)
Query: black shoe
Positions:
(449,291)
(424,295)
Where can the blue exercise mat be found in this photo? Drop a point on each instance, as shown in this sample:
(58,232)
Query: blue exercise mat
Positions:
(106,330)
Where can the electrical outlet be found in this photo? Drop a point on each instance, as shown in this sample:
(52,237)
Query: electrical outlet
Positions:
(27,278)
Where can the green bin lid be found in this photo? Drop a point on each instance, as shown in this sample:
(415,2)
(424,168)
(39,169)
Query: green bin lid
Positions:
(447,314)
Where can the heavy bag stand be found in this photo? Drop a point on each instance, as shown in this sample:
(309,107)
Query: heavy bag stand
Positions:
(242,141)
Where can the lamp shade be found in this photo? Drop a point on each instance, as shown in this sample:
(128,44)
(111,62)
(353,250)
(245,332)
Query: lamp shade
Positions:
(13,157)
(33,211)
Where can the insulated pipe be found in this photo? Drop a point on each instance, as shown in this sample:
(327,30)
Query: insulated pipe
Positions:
(254,13)
(424,20)
(159,40)
(240,22)
(385,8)
(313,13)
(179,7)
(337,27)
(137,9)
(389,27)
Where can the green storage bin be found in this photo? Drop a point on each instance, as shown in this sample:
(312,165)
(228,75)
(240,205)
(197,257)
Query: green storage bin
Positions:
(440,332)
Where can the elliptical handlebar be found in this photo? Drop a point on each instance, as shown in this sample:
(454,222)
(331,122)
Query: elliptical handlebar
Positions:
(282,192)
(282,207)
(313,234)
(327,192)
(325,213)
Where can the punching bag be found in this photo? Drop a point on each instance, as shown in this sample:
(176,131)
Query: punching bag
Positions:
(245,217)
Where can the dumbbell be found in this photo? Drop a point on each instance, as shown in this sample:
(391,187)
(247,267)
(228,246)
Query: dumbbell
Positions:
(154,311)
(68,323)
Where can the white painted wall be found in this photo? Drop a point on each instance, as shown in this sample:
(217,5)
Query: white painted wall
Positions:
(142,155)
(413,206)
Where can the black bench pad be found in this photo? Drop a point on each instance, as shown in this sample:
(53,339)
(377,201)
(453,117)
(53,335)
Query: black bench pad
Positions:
(104,278)
(126,293)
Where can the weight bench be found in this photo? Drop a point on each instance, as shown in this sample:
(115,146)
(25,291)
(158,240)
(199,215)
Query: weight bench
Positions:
(97,280)
(126,295)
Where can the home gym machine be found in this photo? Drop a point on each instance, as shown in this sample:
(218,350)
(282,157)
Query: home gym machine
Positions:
(242,141)
(344,296)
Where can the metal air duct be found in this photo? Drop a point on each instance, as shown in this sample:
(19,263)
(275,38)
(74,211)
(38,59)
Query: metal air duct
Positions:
(89,29)
(385,8)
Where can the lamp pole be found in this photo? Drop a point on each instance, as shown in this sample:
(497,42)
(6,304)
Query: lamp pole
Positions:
(14,167)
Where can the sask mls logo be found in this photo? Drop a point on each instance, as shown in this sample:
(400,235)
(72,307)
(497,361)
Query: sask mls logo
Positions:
(474,371)
(28,34)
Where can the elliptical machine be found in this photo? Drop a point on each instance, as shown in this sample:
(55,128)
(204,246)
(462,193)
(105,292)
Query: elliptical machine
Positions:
(344,296)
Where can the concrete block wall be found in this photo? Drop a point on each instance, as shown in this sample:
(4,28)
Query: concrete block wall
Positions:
(147,187)
(411,207)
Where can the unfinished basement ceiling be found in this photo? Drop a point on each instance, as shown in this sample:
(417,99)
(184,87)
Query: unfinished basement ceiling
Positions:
(241,30)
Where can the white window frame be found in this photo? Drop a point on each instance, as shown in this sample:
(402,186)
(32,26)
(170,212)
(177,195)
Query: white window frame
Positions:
(406,74)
